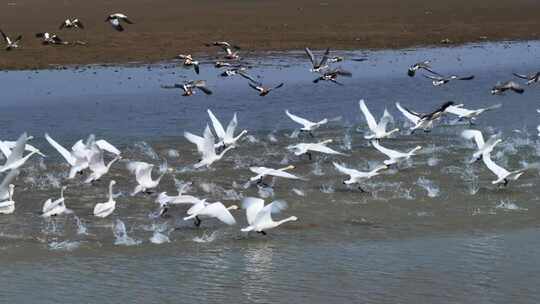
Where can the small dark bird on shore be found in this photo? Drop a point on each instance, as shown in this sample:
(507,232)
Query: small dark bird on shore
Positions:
(72,24)
(115,21)
(11,44)
(500,88)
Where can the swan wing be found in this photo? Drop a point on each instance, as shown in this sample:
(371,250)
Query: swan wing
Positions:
(323,149)
(18,150)
(231,127)
(345,170)
(63,151)
(4,147)
(388,152)
(218,127)
(4,186)
(265,214)
(209,150)
(459,111)
(493,167)
(280,173)
(195,139)
(372,124)
(385,119)
(252,205)
(413,117)
(476,135)
(299,120)
(106,146)
(219,211)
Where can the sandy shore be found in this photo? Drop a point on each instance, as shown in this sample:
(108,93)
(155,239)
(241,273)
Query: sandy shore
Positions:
(165,28)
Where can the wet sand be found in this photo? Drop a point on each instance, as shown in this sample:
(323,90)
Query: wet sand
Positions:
(165,28)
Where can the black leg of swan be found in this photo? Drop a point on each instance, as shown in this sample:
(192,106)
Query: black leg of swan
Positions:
(310,156)
(197,222)
(261,232)
(311,134)
(362,190)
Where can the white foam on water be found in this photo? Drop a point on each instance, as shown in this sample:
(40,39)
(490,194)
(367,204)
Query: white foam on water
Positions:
(265,192)
(121,237)
(251,139)
(327,188)
(147,150)
(64,245)
(317,169)
(433,161)
(428,185)
(206,237)
(81,228)
(159,238)
(509,206)
(298,192)
(173,153)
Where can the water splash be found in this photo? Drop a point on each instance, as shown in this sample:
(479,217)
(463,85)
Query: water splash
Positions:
(206,237)
(146,149)
(64,246)
(159,238)
(173,153)
(81,228)
(509,206)
(326,188)
(298,192)
(428,185)
(121,237)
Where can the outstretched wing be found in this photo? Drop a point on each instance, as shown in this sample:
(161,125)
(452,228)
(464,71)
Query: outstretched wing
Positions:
(345,170)
(253,206)
(410,115)
(299,120)
(476,135)
(218,127)
(372,124)
(311,57)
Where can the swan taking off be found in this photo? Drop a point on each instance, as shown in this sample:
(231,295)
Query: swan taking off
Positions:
(304,148)
(7,207)
(483,147)
(357,177)
(6,147)
(423,120)
(394,157)
(259,216)
(105,209)
(467,114)
(378,130)
(4,187)
(56,207)
(262,172)
(97,165)
(307,125)
(206,147)
(143,176)
(226,137)
(16,158)
(214,210)
(503,176)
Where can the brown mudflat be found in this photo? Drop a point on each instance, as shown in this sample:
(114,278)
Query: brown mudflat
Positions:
(164,28)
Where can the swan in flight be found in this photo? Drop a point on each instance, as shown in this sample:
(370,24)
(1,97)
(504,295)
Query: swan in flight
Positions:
(394,157)
(96,164)
(467,114)
(426,65)
(263,172)
(503,176)
(305,148)
(357,177)
(206,147)
(4,187)
(483,147)
(7,207)
(500,88)
(56,207)
(259,216)
(79,156)
(213,210)
(143,176)
(115,19)
(105,209)
(423,121)
(16,158)
(225,137)
(71,23)
(11,44)
(318,66)
(7,146)
(307,125)
(378,130)
(165,200)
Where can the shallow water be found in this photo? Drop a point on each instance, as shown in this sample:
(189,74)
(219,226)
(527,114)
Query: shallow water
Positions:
(434,230)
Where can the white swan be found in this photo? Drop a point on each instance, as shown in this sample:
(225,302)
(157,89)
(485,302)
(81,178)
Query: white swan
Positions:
(105,209)
(81,152)
(6,147)
(416,119)
(356,177)
(503,176)
(483,147)
(7,207)
(16,158)
(4,187)
(305,148)
(143,176)
(259,216)
(394,157)
(214,210)
(467,114)
(262,172)
(378,130)
(206,147)
(97,165)
(307,125)
(226,137)
(56,207)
